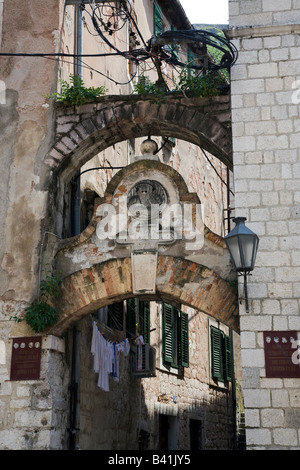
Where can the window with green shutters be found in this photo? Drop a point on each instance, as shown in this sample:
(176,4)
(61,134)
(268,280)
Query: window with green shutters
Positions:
(158,21)
(138,318)
(175,336)
(221,355)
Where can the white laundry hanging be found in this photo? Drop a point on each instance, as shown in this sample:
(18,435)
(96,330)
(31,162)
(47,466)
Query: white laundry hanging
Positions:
(106,357)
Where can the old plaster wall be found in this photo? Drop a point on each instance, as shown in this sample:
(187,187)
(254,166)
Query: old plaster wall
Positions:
(265,124)
(27,419)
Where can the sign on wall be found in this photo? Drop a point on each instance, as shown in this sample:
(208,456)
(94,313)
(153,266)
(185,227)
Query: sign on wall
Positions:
(26,358)
(282,355)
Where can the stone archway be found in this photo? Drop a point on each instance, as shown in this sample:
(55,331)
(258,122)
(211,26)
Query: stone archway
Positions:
(83,131)
(178,280)
(98,270)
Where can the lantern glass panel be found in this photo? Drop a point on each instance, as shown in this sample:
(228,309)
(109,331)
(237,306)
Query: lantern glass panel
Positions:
(247,243)
(234,250)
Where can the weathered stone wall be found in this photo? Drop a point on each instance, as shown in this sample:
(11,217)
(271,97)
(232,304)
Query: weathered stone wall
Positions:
(117,419)
(29,410)
(265,124)
(34,414)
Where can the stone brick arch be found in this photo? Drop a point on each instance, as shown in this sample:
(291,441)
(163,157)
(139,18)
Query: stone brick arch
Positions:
(81,132)
(177,280)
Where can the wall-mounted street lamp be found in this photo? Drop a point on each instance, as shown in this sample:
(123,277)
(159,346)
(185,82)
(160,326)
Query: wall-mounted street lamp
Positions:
(242,244)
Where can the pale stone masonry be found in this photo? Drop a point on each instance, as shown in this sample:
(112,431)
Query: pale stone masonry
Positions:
(265,125)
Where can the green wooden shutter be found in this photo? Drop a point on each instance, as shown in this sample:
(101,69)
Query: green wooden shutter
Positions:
(157,18)
(184,340)
(144,319)
(131,316)
(228,360)
(217,353)
(168,319)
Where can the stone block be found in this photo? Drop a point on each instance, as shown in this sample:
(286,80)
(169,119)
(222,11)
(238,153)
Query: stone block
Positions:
(272,418)
(280,398)
(253,358)
(253,44)
(276,5)
(251,323)
(273,142)
(251,377)
(248,339)
(292,417)
(285,437)
(252,418)
(262,70)
(280,290)
(248,86)
(271,42)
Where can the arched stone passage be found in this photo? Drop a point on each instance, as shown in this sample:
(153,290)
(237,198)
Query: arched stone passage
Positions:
(82,132)
(177,280)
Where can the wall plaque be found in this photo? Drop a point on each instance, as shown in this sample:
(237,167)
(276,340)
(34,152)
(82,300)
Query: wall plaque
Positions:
(281,354)
(26,358)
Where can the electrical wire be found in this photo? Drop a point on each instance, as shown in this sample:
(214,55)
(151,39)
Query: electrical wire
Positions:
(216,171)
(155,49)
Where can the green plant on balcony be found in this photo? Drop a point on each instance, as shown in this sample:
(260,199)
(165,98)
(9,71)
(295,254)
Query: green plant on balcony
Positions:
(204,85)
(75,92)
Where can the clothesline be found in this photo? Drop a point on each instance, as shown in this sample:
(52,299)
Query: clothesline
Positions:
(134,338)
(106,355)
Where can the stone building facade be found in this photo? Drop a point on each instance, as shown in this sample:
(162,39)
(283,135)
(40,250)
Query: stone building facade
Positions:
(44,147)
(265,120)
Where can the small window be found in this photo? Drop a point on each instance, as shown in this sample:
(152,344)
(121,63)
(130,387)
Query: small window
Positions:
(115,316)
(221,355)
(175,337)
(112,315)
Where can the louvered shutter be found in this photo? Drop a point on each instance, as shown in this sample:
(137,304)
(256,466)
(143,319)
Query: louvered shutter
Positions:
(144,320)
(228,362)
(131,316)
(158,22)
(184,340)
(168,333)
(216,353)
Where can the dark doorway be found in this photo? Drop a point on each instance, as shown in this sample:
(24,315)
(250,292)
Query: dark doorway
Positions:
(167,432)
(196,434)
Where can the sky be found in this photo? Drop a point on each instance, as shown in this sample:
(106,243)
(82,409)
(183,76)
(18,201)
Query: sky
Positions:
(206,11)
